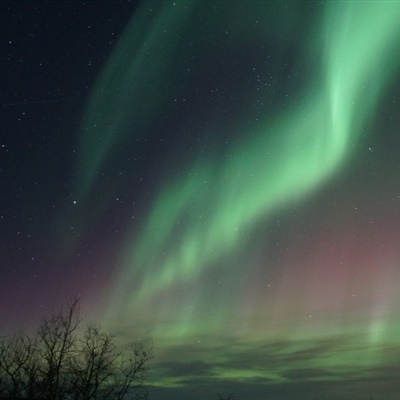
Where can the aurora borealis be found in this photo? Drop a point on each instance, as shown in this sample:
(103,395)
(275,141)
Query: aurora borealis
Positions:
(219,177)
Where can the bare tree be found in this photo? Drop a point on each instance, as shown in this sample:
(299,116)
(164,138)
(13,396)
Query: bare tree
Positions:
(92,367)
(18,366)
(129,374)
(57,344)
(101,371)
(61,364)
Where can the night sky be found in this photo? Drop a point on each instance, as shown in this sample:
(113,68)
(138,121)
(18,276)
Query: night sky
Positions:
(218,177)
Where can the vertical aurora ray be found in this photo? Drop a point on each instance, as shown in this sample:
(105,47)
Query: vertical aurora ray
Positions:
(207,213)
(129,88)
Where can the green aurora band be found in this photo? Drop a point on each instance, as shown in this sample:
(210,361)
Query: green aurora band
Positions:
(209,211)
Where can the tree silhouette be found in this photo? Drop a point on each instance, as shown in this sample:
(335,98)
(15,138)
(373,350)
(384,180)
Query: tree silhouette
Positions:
(62,362)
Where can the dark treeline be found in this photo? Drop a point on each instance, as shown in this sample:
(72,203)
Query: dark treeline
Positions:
(61,361)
